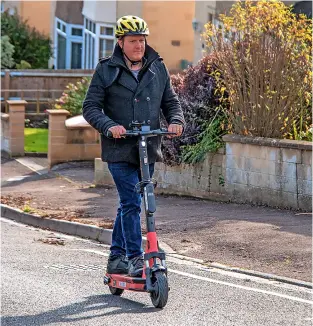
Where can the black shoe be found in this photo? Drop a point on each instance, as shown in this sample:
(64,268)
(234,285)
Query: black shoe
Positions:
(136,266)
(117,264)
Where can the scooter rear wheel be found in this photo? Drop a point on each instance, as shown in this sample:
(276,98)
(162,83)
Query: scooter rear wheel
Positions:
(116,291)
(160,295)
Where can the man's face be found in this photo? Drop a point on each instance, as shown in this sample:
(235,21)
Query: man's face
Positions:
(134,46)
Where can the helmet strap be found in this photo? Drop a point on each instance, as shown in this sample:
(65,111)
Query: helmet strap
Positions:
(133,63)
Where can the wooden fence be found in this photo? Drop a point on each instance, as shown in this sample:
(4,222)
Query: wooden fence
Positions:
(40,88)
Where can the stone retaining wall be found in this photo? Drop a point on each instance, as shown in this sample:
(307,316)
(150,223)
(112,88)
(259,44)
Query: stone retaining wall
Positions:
(203,180)
(259,171)
(269,171)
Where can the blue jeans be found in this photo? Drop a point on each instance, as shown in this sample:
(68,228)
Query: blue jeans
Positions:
(126,237)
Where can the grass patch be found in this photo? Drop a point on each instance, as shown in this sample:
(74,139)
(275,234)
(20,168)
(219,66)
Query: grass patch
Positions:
(36,140)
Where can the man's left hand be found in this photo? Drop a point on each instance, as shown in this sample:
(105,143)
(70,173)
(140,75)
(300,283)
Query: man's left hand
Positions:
(177,129)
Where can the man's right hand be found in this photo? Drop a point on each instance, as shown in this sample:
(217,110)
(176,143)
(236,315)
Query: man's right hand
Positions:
(117,131)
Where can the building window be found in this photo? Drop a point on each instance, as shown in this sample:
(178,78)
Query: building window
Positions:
(61,52)
(90,26)
(69,45)
(105,48)
(77,31)
(76,55)
(106,30)
(89,43)
(99,42)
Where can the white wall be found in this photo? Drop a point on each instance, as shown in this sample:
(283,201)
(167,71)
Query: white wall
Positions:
(100,11)
(129,8)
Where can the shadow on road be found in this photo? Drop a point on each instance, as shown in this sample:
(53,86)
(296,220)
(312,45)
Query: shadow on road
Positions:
(92,307)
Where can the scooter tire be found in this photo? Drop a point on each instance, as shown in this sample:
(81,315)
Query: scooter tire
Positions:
(116,291)
(160,295)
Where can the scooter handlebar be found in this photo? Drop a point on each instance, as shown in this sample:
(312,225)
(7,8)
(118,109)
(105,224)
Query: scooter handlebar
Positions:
(133,133)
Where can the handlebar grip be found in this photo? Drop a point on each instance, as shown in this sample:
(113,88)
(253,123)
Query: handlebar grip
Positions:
(128,133)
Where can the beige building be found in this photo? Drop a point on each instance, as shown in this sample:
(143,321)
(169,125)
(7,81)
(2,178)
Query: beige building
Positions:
(172,36)
(39,14)
(83,31)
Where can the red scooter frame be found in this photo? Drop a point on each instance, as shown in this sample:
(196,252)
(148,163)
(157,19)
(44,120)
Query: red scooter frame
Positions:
(154,276)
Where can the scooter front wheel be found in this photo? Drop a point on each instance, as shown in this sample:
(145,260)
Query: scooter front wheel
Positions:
(160,295)
(116,291)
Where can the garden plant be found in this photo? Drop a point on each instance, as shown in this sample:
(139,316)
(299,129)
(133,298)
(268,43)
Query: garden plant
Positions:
(264,62)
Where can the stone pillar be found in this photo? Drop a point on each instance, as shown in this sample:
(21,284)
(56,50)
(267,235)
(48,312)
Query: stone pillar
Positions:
(5,134)
(57,136)
(16,127)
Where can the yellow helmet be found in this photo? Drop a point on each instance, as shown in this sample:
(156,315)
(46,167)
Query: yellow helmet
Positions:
(131,25)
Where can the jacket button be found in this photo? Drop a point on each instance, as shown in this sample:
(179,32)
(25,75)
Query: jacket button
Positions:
(148,98)
(148,122)
(136,100)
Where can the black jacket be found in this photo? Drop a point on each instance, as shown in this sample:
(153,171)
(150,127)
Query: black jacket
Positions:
(115,97)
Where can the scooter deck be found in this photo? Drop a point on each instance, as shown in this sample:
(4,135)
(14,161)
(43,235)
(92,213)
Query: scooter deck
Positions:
(126,282)
(127,278)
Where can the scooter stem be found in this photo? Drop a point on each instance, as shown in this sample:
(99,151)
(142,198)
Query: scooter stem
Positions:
(148,189)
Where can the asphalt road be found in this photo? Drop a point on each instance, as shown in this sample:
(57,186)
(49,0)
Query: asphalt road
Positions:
(257,238)
(50,284)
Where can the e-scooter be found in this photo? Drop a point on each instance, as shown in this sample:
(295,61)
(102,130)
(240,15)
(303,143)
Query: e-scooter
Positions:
(154,276)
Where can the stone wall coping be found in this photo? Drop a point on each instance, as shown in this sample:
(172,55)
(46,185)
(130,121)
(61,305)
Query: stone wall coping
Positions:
(5,116)
(16,102)
(77,122)
(78,127)
(58,112)
(271,142)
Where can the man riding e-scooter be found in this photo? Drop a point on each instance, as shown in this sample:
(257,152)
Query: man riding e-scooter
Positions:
(133,84)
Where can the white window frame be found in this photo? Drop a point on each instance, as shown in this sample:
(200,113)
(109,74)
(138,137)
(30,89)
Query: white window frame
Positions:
(104,37)
(86,48)
(57,32)
(69,40)
(97,37)
(73,39)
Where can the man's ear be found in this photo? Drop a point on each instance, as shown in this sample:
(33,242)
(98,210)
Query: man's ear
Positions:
(120,43)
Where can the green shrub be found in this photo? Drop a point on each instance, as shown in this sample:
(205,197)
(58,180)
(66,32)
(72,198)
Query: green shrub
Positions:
(29,44)
(7,51)
(73,97)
